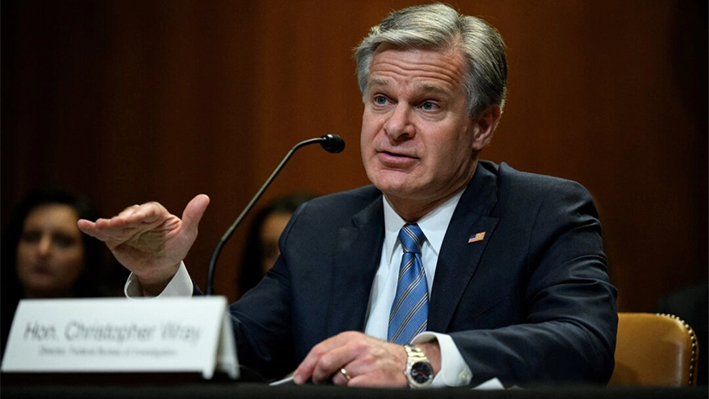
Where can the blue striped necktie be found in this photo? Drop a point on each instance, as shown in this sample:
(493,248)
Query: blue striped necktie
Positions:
(409,312)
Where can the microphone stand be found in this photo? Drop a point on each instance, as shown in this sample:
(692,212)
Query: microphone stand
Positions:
(331,143)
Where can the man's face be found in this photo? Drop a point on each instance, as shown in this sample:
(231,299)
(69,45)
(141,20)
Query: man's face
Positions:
(418,143)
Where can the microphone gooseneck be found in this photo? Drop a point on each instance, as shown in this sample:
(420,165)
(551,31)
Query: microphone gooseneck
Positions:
(330,142)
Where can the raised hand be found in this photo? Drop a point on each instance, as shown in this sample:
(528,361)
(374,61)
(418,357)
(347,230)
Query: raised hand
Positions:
(148,240)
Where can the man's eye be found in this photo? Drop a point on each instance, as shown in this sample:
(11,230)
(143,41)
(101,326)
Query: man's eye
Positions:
(380,100)
(429,106)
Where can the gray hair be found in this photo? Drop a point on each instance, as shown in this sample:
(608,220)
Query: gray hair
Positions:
(437,26)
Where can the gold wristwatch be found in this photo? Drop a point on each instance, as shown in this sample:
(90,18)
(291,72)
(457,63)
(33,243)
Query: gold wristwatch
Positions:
(419,371)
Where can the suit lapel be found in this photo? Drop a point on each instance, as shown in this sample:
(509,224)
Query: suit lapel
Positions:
(459,258)
(356,261)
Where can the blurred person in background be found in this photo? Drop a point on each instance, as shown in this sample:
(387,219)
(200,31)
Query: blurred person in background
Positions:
(44,255)
(261,249)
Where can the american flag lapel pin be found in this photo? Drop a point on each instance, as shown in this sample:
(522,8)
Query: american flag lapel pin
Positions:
(476,237)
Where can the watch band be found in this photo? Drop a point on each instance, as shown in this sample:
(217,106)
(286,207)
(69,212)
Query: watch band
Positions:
(419,371)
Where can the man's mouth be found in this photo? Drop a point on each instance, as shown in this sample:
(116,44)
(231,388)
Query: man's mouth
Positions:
(395,159)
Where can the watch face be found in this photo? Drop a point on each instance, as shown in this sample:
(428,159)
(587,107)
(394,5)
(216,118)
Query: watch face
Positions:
(421,372)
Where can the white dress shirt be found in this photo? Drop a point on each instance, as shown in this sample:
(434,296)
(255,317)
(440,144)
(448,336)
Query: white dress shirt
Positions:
(454,371)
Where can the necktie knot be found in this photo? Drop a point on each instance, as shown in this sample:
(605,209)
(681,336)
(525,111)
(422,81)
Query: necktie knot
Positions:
(411,238)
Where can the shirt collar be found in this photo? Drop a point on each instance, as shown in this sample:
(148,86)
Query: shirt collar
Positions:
(434,225)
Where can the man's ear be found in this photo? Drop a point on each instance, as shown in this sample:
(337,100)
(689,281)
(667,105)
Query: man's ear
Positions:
(484,126)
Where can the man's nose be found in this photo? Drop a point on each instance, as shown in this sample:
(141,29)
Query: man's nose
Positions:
(400,126)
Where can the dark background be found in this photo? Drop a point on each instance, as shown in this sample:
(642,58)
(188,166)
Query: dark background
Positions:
(132,101)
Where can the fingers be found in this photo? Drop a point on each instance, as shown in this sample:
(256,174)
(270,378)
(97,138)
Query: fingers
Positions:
(87,227)
(193,212)
(102,229)
(143,217)
(148,213)
(325,359)
(342,377)
(367,361)
(331,362)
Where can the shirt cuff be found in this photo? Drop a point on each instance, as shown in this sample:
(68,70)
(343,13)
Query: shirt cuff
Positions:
(454,371)
(180,285)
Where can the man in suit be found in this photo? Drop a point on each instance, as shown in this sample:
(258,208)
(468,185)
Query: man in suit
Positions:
(446,271)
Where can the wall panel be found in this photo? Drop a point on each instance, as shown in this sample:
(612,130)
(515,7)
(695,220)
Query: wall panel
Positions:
(131,101)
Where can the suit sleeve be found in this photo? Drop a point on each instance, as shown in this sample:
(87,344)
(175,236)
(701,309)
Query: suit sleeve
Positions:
(261,319)
(568,327)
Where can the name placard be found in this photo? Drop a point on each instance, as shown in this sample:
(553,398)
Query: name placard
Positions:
(122,335)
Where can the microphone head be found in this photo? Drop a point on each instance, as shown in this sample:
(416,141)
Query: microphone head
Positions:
(332,143)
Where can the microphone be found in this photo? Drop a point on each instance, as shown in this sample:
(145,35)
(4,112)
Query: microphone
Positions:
(330,142)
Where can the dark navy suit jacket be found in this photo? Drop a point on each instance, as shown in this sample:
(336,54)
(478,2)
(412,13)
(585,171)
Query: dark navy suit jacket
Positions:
(530,303)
